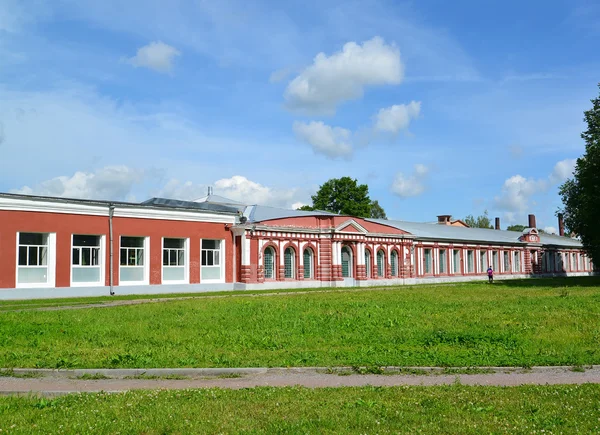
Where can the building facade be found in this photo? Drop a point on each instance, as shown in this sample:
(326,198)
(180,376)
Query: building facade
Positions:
(53,247)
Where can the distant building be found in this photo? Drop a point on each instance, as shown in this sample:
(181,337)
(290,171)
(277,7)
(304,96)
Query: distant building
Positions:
(55,247)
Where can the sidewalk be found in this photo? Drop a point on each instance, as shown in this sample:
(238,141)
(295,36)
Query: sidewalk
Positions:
(57,382)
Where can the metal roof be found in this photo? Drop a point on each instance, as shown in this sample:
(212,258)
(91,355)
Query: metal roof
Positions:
(191,205)
(258,213)
(218,199)
(449,232)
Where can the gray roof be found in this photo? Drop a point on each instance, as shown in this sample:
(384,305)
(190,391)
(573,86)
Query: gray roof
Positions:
(449,232)
(218,199)
(258,213)
(190,205)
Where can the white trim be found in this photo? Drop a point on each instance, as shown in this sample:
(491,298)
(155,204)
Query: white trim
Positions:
(50,263)
(222,264)
(146,280)
(173,215)
(101,259)
(186,259)
(19,204)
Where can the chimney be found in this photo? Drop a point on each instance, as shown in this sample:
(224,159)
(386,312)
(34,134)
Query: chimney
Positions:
(497,223)
(561,225)
(210,191)
(444,219)
(532,221)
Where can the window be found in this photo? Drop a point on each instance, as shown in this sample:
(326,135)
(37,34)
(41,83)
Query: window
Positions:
(346,262)
(174,260)
(506,262)
(573,262)
(380,264)
(86,261)
(212,261)
(308,263)
(269,262)
(428,265)
(456,260)
(288,262)
(483,261)
(495,261)
(443,264)
(517,262)
(580,267)
(35,262)
(470,261)
(394,263)
(368,263)
(132,266)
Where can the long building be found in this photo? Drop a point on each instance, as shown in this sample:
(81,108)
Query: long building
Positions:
(56,247)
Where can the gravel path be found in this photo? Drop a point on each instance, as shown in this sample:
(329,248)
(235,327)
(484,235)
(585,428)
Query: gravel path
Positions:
(53,382)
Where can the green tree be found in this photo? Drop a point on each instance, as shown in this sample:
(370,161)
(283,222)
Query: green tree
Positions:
(518,228)
(377,211)
(482,221)
(581,194)
(344,196)
(306,208)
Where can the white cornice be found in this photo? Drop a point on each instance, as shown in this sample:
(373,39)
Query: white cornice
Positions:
(18,204)
(173,215)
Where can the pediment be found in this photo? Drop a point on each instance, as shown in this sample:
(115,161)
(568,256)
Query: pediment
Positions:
(351,226)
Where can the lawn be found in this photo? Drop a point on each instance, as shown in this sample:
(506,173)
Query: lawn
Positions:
(451,410)
(517,323)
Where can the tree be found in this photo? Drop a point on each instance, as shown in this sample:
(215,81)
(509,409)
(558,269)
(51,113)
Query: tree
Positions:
(377,212)
(581,194)
(482,221)
(518,228)
(345,196)
(306,208)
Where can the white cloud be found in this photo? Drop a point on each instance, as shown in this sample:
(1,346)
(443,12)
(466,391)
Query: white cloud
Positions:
(397,117)
(550,230)
(15,15)
(563,170)
(517,192)
(238,188)
(331,141)
(331,80)
(410,185)
(111,182)
(279,75)
(156,55)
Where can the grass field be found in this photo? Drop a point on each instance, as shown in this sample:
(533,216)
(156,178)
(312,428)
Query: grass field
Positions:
(450,410)
(518,323)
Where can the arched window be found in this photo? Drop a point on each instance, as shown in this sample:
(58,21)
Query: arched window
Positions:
(308,263)
(269,262)
(289,257)
(346,262)
(380,264)
(394,261)
(368,263)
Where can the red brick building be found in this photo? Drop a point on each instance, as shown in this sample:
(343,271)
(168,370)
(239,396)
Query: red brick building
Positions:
(53,247)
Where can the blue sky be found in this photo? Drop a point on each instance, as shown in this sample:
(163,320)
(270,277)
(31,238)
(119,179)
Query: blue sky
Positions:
(440,107)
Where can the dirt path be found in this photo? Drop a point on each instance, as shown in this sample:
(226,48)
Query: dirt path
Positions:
(70,381)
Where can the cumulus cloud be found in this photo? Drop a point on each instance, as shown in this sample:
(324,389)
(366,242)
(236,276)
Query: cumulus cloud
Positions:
(110,182)
(563,170)
(237,188)
(157,56)
(550,230)
(333,142)
(397,117)
(413,184)
(343,76)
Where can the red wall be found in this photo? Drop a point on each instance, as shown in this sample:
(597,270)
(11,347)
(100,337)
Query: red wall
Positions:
(64,225)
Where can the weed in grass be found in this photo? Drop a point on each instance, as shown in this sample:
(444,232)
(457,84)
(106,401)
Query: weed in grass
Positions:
(579,369)
(10,373)
(467,371)
(158,377)
(563,292)
(92,377)
(229,376)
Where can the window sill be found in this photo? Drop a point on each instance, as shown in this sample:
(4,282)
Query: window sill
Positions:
(41,285)
(167,282)
(132,283)
(87,284)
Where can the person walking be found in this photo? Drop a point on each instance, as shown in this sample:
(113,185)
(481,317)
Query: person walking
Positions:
(490,273)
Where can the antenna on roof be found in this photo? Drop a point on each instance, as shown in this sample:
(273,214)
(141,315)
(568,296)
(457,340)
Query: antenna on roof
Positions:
(210,190)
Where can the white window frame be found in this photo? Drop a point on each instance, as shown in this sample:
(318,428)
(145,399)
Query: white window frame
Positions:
(292,263)
(146,265)
(221,278)
(50,262)
(310,264)
(101,262)
(443,253)
(516,265)
(186,259)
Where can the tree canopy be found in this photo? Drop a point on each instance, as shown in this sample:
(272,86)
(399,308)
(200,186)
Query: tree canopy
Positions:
(518,228)
(345,196)
(482,221)
(581,194)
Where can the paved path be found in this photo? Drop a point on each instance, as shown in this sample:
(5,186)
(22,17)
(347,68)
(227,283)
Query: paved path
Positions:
(53,382)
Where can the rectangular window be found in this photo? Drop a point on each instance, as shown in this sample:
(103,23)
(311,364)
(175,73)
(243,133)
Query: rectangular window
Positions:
(580,267)
(428,265)
(495,261)
(443,265)
(573,262)
(456,259)
(86,260)
(212,264)
(34,266)
(483,261)
(506,262)
(174,260)
(517,262)
(132,260)
(470,261)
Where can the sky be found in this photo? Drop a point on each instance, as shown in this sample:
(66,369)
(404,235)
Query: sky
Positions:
(439,107)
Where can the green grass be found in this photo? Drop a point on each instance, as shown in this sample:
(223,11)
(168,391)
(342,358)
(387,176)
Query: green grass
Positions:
(521,323)
(450,410)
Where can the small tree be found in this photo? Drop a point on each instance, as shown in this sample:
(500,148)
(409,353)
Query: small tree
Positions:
(518,228)
(581,194)
(377,211)
(482,221)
